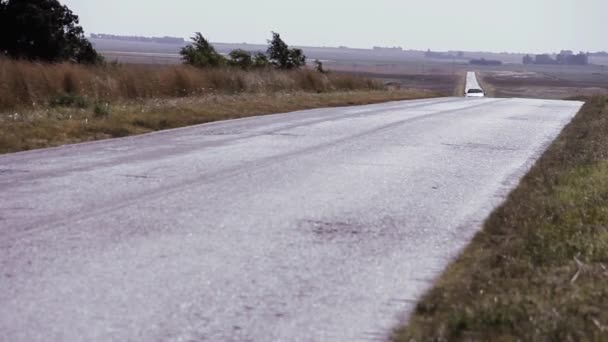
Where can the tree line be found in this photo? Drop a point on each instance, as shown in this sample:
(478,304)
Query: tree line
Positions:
(200,53)
(46,30)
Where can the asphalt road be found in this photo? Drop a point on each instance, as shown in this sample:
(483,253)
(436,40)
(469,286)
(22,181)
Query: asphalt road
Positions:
(320,225)
(471,81)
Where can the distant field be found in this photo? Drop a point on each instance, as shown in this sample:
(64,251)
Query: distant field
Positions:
(410,69)
(445,84)
(133,46)
(551,83)
(337,54)
(142,57)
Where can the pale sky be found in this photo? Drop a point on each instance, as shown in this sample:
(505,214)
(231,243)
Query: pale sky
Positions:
(481,25)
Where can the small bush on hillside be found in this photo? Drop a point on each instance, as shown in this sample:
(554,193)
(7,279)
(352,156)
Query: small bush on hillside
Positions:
(201,53)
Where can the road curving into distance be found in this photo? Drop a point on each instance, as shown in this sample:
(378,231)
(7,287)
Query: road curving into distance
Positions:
(320,225)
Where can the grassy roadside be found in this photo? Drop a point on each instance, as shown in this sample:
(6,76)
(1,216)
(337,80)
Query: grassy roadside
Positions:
(539,269)
(73,120)
(461,85)
(26,84)
(486,86)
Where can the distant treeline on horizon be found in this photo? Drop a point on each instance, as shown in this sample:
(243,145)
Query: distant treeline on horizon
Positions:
(428,53)
(163,40)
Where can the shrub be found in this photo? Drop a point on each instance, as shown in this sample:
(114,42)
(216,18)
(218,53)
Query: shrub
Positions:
(201,53)
(69,100)
(241,58)
(260,60)
(101,110)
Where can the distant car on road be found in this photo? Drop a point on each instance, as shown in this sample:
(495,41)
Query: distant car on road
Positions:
(474,92)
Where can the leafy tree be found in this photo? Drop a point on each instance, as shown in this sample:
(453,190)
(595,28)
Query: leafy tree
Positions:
(278,51)
(43,30)
(297,58)
(528,59)
(282,56)
(201,53)
(241,58)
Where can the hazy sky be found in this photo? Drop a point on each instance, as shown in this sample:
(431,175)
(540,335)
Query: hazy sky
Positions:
(488,25)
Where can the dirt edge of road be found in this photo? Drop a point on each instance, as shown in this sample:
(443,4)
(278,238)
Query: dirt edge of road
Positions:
(55,126)
(538,269)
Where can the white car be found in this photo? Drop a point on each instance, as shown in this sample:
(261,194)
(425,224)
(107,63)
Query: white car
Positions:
(474,92)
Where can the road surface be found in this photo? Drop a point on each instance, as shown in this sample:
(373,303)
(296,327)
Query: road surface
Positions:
(471,82)
(320,225)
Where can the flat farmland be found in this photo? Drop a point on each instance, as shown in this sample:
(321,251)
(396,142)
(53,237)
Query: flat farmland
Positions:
(444,84)
(410,69)
(556,82)
(133,57)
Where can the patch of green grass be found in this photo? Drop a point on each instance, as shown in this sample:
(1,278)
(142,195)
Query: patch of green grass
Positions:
(538,271)
(69,100)
(101,110)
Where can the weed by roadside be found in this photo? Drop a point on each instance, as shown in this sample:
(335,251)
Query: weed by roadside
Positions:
(101,110)
(69,100)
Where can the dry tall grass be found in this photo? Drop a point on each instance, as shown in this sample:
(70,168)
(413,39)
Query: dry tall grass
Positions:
(30,84)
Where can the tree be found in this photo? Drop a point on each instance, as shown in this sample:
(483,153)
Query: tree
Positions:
(241,58)
(282,56)
(278,51)
(43,30)
(528,59)
(260,60)
(201,53)
(297,58)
